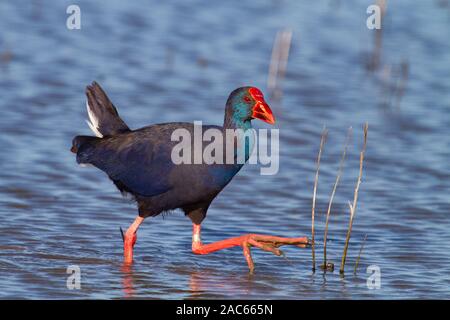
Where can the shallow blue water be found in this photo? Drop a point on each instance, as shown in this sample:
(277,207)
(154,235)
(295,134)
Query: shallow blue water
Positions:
(164,61)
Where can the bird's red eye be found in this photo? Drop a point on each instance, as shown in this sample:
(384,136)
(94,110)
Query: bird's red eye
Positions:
(247,99)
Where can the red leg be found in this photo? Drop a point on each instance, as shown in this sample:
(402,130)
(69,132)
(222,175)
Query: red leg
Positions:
(264,242)
(129,240)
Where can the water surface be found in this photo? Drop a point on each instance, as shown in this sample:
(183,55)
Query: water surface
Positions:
(164,61)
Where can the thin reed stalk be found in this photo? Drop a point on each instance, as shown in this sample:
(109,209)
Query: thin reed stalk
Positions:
(338,177)
(273,66)
(278,60)
(316,180)
(359,255)
(355,198)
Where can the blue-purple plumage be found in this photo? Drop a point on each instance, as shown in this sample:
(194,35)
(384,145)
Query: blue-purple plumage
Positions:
(139,161)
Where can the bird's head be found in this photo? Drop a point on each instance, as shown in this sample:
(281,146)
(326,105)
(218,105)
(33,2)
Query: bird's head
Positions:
(247,103)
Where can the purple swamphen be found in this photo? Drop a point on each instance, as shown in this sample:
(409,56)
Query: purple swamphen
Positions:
(139,163)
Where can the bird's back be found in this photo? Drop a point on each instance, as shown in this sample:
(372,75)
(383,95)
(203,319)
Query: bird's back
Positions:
(140,163)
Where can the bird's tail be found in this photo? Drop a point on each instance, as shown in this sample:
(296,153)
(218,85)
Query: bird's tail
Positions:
(104,119)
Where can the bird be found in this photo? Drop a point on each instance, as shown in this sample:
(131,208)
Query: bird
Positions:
(139,162)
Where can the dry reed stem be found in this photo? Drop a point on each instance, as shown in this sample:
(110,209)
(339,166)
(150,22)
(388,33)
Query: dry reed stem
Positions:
(279,59)
(338,177)
(273,66)
(322,142)
(286,38)
(355,198)
(359,255)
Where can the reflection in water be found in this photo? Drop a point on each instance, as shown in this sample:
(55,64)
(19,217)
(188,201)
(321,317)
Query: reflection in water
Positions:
(127,280)
(202,282)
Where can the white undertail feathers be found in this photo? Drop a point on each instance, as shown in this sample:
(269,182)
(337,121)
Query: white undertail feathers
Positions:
(93,121)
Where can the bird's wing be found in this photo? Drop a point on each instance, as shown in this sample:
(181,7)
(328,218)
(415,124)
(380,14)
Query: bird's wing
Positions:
(135,163)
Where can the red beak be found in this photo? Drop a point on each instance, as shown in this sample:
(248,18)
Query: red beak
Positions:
(261,111)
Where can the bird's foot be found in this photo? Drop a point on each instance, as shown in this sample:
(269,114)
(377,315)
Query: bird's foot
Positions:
(264,242)
(269,244)
(129,240)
